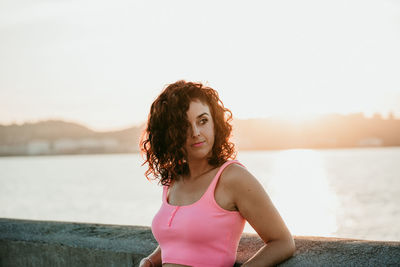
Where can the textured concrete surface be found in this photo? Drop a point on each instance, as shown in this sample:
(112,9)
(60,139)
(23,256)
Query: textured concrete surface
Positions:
(323,251)
(45,243)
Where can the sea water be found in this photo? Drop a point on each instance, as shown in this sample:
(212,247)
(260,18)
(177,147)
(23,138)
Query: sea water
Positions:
(349,193)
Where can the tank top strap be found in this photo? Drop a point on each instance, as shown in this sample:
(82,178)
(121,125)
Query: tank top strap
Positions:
(214,182)
(164,194)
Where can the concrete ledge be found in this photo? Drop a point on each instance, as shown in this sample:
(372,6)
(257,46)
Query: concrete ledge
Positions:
(45,243)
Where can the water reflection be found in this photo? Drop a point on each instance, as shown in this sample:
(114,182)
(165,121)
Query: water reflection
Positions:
(298,186)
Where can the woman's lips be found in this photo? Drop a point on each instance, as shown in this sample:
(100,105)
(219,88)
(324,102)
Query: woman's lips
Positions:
(198,144)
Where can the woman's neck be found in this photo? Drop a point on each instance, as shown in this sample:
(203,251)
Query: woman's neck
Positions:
(198,168)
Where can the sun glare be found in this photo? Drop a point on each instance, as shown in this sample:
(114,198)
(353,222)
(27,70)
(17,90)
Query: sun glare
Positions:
(300,190)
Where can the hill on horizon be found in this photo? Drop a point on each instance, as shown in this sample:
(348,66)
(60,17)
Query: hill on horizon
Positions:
(329,131)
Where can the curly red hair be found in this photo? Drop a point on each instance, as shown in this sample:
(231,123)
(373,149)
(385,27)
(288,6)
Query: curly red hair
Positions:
(163,141)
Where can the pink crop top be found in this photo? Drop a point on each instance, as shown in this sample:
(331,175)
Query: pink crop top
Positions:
(201,234)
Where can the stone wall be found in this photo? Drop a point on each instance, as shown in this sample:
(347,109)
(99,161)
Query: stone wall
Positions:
(45,243)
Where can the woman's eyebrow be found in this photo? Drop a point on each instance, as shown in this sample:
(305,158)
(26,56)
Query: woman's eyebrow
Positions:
(202,114)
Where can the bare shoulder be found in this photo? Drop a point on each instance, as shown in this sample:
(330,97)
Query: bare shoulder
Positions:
(238,178)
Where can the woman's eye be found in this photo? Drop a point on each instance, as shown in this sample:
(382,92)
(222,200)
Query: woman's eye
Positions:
(203,121)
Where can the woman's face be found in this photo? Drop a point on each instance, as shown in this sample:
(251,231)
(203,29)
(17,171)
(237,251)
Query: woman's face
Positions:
(200,135)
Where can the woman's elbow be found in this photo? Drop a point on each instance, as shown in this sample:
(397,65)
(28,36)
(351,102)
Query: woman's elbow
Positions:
(291,247)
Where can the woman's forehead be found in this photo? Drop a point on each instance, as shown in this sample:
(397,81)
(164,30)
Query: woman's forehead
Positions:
(198,108)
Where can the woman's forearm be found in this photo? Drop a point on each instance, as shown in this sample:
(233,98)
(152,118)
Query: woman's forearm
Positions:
(272,253)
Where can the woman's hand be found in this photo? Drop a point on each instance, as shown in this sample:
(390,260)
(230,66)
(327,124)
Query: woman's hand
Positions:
(153,260)
(145,263)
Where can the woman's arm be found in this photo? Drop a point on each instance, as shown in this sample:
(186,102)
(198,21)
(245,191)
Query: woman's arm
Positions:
(155,258)
(257,208)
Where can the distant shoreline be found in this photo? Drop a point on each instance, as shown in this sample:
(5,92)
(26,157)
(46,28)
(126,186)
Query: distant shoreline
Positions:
(241,150)
(329,132)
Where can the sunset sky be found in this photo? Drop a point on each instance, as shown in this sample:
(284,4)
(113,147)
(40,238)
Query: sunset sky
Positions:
(102,63)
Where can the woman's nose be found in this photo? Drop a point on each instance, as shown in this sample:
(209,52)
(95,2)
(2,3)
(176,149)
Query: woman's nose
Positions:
(195,131)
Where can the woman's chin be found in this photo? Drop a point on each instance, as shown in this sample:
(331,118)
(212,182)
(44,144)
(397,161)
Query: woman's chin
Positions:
(199,156)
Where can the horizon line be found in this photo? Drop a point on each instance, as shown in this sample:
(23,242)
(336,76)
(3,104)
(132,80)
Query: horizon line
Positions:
(289,117)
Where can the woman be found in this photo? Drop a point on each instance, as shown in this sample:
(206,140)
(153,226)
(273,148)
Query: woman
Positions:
(206,196)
